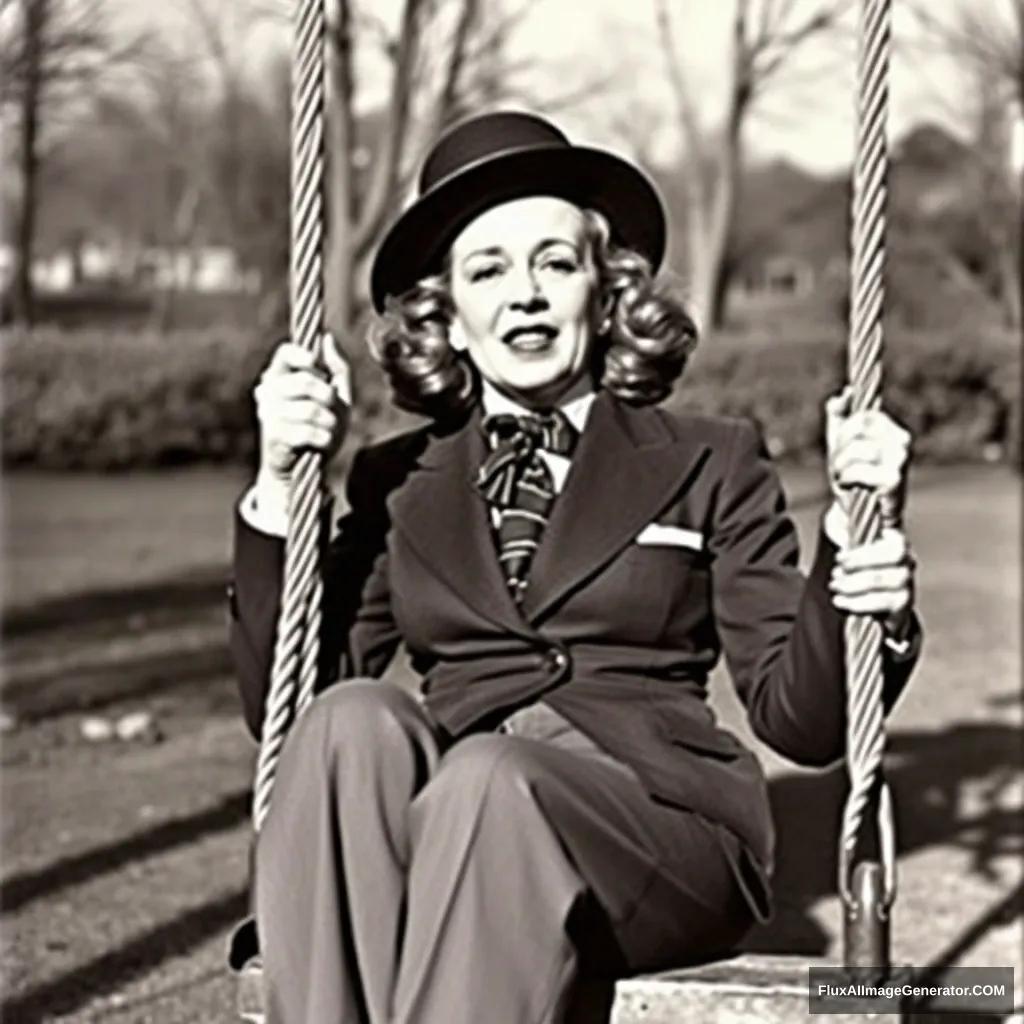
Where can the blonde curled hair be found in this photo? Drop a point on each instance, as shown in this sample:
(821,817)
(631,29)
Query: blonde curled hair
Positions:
(640,351)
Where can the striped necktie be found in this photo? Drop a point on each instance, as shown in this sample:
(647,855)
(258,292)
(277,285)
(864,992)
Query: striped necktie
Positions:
(516,481)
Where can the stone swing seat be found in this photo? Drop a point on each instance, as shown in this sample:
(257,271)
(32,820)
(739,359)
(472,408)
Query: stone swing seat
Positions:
(744,987)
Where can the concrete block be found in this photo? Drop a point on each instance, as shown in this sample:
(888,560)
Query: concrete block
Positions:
(742,990)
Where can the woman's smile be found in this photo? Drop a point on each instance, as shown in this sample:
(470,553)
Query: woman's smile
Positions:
(531,340)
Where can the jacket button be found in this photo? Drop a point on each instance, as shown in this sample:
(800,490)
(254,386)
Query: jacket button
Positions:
(556,661)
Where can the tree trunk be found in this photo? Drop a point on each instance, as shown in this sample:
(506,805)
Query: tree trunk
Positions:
(1020,244)
(31,102)
(710,250)
(340,201)
(711,275)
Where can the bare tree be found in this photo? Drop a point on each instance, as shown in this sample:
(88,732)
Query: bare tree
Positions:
(52,54)
(764,36)
(445,59)
(222,138)
(987,43)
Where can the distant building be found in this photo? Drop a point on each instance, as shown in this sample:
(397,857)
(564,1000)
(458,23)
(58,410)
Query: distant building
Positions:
(208,269)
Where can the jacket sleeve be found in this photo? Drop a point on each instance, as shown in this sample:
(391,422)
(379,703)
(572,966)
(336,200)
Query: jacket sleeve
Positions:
(358,634)
(782,638)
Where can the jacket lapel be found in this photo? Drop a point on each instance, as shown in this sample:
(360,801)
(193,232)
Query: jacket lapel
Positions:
(446,519)
(628,466)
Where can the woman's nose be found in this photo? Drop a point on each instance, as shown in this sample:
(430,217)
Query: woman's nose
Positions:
(524,290)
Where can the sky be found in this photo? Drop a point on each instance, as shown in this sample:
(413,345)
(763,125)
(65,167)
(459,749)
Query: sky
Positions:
(806,118)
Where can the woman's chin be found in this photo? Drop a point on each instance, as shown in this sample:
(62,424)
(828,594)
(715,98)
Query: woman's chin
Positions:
(536,383)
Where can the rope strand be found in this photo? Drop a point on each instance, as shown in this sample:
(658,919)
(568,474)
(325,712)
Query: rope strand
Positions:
(296,650)
(865,720)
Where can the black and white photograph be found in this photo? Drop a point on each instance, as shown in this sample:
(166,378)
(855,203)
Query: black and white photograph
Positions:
(511,511)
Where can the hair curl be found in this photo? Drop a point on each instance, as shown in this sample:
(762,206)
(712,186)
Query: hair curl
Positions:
(641,350)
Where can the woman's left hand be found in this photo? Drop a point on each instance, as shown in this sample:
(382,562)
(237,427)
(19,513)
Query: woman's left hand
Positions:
(869,449)
(877,579)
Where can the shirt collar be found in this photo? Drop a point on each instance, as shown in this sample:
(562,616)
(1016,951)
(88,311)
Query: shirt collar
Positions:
(575,411)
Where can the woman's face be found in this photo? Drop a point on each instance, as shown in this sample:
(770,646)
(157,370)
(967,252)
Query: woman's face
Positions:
(524,288)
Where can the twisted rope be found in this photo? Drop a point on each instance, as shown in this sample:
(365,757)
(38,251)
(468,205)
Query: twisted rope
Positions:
(296,649)
(865,721)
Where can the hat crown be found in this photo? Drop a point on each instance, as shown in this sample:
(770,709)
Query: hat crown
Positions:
(484,137)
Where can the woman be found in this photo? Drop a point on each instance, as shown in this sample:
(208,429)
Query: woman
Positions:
(565,563)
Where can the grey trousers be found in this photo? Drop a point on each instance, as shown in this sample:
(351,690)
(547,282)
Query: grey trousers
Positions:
(508,878)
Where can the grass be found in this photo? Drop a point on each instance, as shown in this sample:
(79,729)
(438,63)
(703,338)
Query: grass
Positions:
(124,866)
(84,533)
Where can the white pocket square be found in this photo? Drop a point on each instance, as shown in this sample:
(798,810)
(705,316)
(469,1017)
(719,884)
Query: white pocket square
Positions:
(673,536)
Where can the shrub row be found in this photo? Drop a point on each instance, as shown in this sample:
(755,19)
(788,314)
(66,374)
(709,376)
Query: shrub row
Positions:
(959,396)
(86,400)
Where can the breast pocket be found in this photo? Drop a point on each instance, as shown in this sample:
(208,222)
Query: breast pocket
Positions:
(652,589)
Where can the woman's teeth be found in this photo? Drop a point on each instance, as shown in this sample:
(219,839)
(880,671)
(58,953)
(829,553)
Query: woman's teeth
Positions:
(530,341)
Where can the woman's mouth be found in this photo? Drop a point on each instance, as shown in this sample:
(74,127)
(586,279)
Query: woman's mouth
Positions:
(530,340)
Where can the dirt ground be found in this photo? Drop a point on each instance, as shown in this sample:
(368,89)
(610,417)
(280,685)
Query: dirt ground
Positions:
(124,864)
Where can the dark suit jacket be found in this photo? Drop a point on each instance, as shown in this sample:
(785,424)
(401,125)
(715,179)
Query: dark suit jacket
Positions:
(618,637)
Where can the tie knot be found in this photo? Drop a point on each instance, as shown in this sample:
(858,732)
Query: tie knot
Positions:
(524,434)
(515,442)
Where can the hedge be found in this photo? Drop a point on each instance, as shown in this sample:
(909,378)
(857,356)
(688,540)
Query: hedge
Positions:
(101,401)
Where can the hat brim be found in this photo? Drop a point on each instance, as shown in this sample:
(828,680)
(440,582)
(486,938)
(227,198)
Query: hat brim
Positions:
(416,244)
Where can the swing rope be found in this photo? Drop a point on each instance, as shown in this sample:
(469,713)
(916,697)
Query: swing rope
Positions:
(865,720)
(296,652)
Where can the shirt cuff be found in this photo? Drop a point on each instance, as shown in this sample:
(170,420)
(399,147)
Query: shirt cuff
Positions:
(264,514)
(899,649)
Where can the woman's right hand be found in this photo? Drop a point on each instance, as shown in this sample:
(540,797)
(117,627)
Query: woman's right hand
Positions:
(300,407)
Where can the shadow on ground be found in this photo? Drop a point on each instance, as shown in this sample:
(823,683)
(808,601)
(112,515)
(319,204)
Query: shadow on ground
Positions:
(190,592)
(929,774)
(114,968)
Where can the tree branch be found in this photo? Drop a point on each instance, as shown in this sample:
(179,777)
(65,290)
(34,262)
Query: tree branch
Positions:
(448,98)
(775,49)
(386,176)
(687,114)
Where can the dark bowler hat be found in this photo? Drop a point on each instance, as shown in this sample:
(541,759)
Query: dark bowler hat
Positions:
(493,158)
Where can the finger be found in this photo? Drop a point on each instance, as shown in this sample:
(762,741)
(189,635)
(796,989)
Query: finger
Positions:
(289,356)
(877,425)
(874,604)
(839,405)
(333,357)
(837,408)
(879,479)
(891,548)
(305,435)
(883,465)
(870,581)
(848,450)
(306,412)
(300,385)
(338,368)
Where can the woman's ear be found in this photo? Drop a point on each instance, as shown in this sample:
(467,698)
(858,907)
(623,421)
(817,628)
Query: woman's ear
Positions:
(457,335)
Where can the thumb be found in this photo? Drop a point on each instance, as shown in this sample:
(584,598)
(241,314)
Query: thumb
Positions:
(337,366)
(838,407)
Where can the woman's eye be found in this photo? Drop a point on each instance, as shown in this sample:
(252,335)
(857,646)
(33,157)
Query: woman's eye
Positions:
(484,272)
(562,264)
